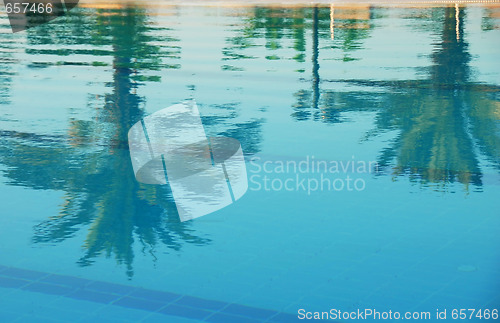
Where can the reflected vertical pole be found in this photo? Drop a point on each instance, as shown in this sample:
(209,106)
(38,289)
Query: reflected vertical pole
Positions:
(332,21)
(315,67)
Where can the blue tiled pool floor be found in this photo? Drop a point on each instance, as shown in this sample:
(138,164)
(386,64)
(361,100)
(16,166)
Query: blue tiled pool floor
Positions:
(44,297)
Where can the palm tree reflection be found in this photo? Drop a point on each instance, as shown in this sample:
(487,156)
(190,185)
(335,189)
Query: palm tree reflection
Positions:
(442,120)
(92,164)
(117,205)
(95,170)
(447,122)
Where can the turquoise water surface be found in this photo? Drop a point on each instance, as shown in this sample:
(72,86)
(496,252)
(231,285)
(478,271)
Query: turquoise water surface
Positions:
(401,103)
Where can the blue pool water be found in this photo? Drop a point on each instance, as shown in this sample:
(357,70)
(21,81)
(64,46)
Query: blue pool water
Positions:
(409,95)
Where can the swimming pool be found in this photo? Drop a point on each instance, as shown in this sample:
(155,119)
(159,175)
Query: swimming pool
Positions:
(371,136)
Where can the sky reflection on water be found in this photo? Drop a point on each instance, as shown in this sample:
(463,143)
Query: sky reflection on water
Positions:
(70,91)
